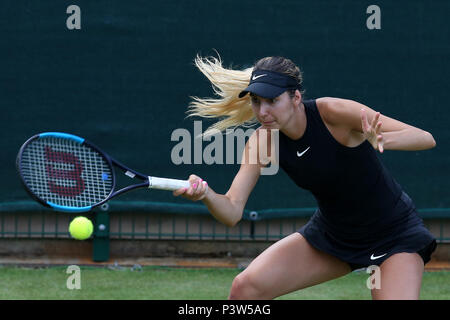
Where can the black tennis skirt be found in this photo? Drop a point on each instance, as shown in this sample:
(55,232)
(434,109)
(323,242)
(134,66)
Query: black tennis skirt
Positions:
(408,234)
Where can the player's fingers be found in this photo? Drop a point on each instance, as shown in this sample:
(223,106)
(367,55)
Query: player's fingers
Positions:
(192,191)
(380,143)
(375,120)
(194,187)
(193,178)
(189,191)
(180,191)
(378,128)
(201,187)
(204,190)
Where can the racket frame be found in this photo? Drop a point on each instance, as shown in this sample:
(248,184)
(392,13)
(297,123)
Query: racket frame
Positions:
(109,160)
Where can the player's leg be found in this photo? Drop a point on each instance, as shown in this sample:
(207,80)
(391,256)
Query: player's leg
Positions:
(401,277)
(288,265)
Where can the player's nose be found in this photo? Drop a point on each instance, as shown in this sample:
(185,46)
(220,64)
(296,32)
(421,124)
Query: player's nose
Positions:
(264,110)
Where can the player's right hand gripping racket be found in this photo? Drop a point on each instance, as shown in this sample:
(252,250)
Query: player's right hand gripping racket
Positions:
(68,173)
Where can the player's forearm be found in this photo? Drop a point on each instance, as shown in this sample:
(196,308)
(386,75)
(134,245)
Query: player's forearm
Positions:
(221,207)
(411,139)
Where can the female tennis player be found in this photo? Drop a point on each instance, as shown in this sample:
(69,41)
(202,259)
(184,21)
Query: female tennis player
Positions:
(327,146)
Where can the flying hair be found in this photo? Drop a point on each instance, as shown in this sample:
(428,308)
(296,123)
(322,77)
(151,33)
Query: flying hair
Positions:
(231,110)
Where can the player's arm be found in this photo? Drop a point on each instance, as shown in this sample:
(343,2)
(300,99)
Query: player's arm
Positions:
(382,132)
(228,208)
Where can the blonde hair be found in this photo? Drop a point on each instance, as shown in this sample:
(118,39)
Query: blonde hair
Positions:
(227,84)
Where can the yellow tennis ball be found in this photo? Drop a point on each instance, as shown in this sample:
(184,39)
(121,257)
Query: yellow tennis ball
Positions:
(81,228)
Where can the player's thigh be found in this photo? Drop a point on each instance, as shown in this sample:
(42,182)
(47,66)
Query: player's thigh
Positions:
(400,277)
(292,264)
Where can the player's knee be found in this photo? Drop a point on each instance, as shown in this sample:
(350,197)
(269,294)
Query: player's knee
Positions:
(245,288)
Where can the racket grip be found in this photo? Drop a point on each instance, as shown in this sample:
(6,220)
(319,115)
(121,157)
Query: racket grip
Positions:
(167,184)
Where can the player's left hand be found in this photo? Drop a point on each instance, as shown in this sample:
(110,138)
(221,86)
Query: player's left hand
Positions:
(372,131)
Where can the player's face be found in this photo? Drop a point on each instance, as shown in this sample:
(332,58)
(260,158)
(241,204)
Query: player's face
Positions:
(273,113)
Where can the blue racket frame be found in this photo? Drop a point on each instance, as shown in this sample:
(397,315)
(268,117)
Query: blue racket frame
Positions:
(109,160)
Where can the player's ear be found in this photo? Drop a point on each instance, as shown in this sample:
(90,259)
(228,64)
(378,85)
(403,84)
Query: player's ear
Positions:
(297,97)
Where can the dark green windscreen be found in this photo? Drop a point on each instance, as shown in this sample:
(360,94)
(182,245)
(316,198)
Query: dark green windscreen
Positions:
(124,80)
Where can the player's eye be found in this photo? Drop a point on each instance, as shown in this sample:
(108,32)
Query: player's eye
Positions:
(254,100)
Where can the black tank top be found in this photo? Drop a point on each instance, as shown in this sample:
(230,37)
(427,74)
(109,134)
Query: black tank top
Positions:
(352,187)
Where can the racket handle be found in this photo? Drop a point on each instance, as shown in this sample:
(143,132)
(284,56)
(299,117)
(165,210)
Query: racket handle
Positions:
(167,184)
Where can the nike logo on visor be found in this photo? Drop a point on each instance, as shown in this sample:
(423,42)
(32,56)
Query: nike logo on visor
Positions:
(256,77)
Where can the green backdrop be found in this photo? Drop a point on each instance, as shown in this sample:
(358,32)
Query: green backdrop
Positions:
(123,81)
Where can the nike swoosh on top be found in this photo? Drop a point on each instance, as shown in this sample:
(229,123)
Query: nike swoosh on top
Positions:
(372,257)
(256,77)
(299,154)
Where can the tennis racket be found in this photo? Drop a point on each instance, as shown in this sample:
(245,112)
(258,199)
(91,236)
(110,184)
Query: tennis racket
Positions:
(67,173)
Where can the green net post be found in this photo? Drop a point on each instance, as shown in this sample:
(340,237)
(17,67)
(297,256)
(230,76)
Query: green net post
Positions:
(101,237)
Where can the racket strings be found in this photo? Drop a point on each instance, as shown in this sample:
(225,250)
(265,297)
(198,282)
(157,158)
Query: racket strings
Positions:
(66,173)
